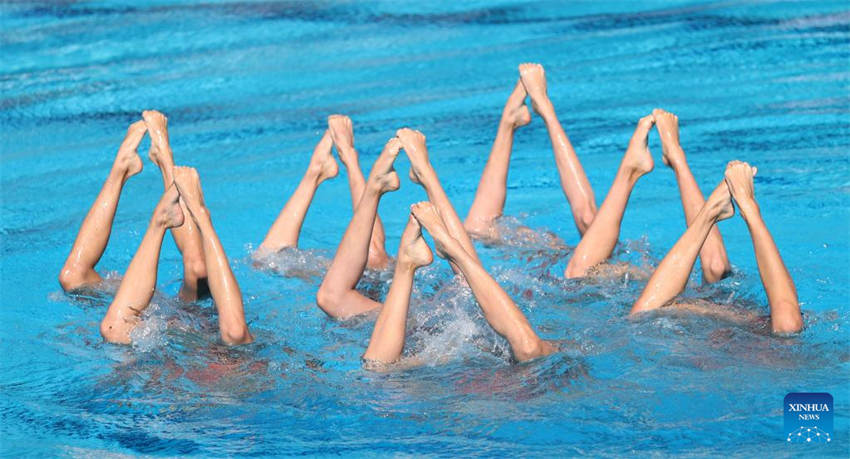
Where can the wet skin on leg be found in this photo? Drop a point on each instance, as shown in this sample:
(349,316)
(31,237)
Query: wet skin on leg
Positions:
(286,229)
(187,237)
(137,286)
(223,286)
(671,276)
(489,202)
(78,270)
(342,134)
(337,295)
(499,309)
(423,173)
(785,316)
(601,237)
(713,258)
(574,181)
(387,341)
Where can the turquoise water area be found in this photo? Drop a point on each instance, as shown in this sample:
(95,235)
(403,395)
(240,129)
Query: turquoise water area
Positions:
(247,87)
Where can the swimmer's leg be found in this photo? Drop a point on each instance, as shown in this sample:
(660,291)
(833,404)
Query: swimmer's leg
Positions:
(139,281)
(423,173)
(499,309)
(387,340)
(574,182)
(599,241)
(713,258)
(337,295)
(286,228)
(671,276)
(223,286)
(785,314)
(343,138)
(489,199)
(78,270)
(187,237)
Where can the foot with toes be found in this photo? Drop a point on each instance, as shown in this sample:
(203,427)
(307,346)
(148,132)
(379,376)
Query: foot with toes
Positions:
(533,79)
(739,179)
(638,160)
(160,151)
(515,113)
(322,163)
(127,161)
(383,177)
(414,251)
(168,213)
(667,125)
(342,134)
(189,184)
(413,143)
(430,219)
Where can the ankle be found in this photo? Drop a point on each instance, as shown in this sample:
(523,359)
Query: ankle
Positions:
(749,209)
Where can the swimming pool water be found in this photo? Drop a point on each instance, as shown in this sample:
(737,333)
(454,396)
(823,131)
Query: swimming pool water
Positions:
(247,87)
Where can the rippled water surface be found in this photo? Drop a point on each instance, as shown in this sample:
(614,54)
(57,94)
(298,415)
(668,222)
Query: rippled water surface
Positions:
(247,86)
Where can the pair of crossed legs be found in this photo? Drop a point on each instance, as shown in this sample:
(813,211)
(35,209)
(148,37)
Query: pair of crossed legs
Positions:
(182,196)
(338,297)
(286,229)
(672,273)
(78,270)
(600,228)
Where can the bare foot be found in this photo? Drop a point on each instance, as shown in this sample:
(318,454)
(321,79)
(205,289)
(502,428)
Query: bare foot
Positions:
(428,216)
(189,184)
(739,179)
(168,213)
(719,202)
(127,161)
(533,78)
(342,134)
(667,125)
(413,143)
(414,251)
(637,159)
(383,176)
(322,163)
(515,112)
(160,151)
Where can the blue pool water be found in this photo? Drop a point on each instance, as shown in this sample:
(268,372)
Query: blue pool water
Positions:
(247,86)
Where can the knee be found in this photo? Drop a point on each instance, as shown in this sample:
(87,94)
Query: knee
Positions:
(195,269)
(328,300)
(528,349)
(715,270)
(112,331)
(69,279)
(236,335)
(789,323)
(586,218)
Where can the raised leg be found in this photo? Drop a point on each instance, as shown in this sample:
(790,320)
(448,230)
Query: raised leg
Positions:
(223,286)
(286,228)
(139,281)
(343,138)
(499,309)
(489,202)
(337,295)
(671,276)
(423,173)
(387,341)
(599,241)
(187,237)
(785,316)
(715,263)
(574,182)
(78,270)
